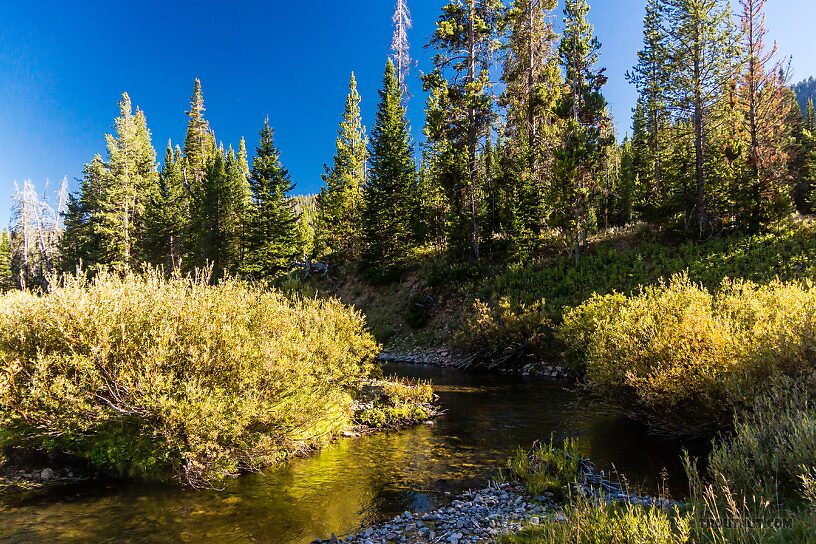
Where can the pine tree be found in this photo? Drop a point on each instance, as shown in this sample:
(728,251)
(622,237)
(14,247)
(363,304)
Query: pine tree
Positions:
(339,204)
(583,110)
(699,45)
(105,223)
(273,223)
(651,78)
(533,87)
(131,180)
(79,245)
(389,192)
(810,116)
(466,38)
(167,214)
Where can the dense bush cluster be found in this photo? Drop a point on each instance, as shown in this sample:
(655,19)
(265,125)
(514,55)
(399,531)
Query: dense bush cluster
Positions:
(520,304)
(687,358)
(148,377)
(500,332)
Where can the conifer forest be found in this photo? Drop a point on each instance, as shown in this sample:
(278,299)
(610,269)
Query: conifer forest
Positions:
(518,293)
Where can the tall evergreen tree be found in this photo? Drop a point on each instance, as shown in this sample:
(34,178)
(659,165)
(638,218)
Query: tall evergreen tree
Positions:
(167,214)
(106,222)
(700,47)
(389,192)
(651,77)
(199,144)
(762,101)
(273,222)
(6,279)
(810,116)
(583,110)
(339,204)
(466,38)
(533,87)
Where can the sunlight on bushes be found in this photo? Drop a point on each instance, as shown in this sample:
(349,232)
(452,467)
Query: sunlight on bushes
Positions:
(148,377)
(686,358)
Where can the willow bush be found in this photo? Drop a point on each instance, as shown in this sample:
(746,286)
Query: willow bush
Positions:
(688,359)
(149,377)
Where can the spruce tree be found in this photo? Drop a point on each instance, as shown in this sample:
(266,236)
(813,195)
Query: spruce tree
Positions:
(533,86)
(339,203)
(199,144)
(810,116)
(761,95)
(389,192)
(167,214)
(273,221)
(105,223)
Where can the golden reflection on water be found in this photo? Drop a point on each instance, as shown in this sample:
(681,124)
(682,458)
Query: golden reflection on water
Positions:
(350,484)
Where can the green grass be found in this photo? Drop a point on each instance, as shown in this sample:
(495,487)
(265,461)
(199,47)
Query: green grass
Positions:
(545,468)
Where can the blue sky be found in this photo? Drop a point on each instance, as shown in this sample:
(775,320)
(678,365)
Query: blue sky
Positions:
(64,65)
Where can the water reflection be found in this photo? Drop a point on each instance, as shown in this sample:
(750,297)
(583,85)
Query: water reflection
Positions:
(354,482)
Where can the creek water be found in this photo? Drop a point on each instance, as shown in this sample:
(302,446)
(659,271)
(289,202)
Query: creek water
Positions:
(354,482)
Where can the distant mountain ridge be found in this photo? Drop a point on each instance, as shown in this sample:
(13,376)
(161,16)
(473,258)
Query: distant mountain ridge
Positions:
(805,90)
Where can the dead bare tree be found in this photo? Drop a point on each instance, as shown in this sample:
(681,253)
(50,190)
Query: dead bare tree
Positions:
(400,45)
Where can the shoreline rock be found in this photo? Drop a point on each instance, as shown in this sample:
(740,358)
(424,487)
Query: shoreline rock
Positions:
(447,358)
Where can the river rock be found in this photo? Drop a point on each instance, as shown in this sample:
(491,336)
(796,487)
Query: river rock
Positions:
(46,474)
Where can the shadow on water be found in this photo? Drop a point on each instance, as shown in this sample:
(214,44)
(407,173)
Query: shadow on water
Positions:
(356,482)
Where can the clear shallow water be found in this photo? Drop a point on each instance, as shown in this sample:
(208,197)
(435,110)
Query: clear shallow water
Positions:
(356,482)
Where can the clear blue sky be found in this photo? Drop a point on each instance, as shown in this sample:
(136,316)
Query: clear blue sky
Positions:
(63,66)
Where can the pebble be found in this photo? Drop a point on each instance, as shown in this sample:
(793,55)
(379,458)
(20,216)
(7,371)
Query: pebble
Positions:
(480,517)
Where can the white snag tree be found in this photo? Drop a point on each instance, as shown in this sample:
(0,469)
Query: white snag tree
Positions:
(400,45)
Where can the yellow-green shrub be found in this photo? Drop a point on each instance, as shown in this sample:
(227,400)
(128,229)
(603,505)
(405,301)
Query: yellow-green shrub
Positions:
(149,377)
(398,403)
(688,358)
(500,330)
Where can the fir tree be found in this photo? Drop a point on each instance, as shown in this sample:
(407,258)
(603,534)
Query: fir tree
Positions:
(810,116)
(762,101)
(533,86)
(167,214)
(340,201)
(651,77)
(389,191)
(106,222)
(272,244)
(199,144)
